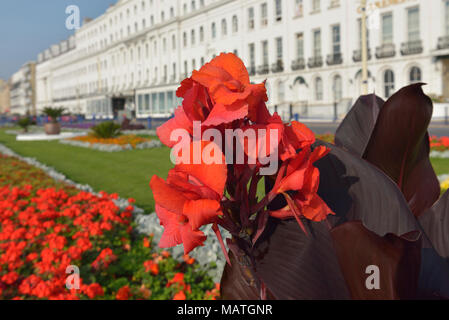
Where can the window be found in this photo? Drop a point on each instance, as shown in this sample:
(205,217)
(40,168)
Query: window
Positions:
(184,39)
(201,34)
(388,83)
(252,56)
(318,89)
(337,88)
(278,8)
(170,102)
(299,8)
(201,3)
(193,64)
(281,91)
(413,24)
(387,28)
(279,49)
(264,14)
(415,75)
(154,102)
(214,30)
(147,102)
(316,5)
(336,39)
(186,67)
(161,102)
(300,45)
(184,8)
(193,5)
(174,70)
(173,42)
(172,12)
(224,27)
(317,43)
(235,24)
(162,16)
(192,35)
(251,18)
(265,52)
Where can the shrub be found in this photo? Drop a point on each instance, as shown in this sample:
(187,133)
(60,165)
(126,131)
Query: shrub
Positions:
(106,130)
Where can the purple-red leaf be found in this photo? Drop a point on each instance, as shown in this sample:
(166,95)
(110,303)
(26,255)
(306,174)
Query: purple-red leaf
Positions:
(365,256)
(399,146)
(435,223)
(355,131)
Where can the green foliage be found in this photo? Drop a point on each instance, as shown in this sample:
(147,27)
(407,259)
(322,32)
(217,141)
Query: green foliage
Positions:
(53,113)
(106,130)
(24,123)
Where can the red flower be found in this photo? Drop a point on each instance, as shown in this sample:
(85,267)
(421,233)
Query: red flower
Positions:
(124,293)
(93,290)
(189,199)
(151,266)
(219,93)
(180,296)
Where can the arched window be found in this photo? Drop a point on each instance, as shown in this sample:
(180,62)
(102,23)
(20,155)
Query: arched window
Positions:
(224,27)
(337,88)
(415,75)
(235,24)
(388,83)
(318,89)
(213,30)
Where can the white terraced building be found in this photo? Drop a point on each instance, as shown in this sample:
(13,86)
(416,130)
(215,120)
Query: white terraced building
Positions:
(134,55)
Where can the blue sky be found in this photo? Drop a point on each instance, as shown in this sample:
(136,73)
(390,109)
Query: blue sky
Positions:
(27,27)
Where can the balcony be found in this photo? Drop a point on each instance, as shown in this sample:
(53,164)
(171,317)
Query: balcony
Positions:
(263,69)
(386,51)
(411,47)
(315,62)
(277,67)
(298,64)
(252,70)
(443,43)
(357,55)
(334,59)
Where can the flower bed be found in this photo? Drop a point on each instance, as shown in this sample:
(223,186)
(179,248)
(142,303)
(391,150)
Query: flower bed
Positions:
(46,226)
(121,143)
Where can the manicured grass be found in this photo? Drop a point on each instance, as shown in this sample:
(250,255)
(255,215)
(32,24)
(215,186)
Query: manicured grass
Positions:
(127,173)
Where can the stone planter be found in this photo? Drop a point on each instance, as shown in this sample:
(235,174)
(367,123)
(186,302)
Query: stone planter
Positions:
(52,128)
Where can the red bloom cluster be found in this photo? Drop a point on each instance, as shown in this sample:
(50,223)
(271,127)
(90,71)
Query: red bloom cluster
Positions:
(221,97)
(42,234)
(439,143)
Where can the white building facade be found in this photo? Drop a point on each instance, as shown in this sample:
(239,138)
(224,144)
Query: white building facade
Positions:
(134,56)
(22,91)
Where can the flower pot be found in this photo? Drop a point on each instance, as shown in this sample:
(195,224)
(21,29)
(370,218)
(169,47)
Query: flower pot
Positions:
(52,128)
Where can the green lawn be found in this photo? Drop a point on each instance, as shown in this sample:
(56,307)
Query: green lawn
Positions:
(127,173)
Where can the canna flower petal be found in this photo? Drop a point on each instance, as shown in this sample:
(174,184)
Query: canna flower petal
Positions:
(202,212)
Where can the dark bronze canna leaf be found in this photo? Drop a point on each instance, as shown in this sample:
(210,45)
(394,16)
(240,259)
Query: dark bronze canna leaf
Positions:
(355,131)
(399,146)
(395,262)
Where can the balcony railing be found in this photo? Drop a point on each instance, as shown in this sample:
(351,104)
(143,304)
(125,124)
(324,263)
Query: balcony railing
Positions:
(411,47)
(263,69)
(252,70)
(357,55)
(298,64)
(443,42)
(315,62)
(278,66)
(386,51)
(334,59)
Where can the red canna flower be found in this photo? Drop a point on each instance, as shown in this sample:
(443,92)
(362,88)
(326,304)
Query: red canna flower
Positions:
(189,199)
(180,296)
